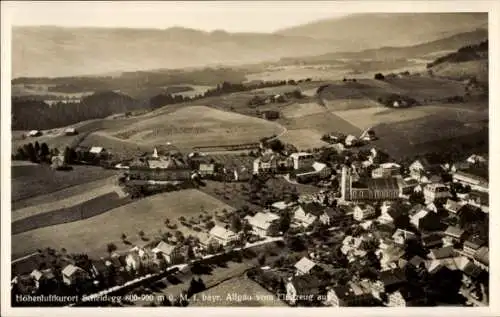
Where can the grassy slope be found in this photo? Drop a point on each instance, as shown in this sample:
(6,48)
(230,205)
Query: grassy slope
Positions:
(91,235)
(31,181)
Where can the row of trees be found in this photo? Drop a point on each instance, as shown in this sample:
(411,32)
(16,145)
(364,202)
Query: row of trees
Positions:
(35,153)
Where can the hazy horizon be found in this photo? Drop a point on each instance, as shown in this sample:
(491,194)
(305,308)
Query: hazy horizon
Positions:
(237,17)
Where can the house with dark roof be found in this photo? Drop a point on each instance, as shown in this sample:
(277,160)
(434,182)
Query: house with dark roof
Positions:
(442,253)
(453,206)
(432,240)
(481,258)
(351,295)
(306,288)
(453,234)
(424,167)
(390,281)
(307,213)
(476,178)
(479,199)
(406,296)
(472,245)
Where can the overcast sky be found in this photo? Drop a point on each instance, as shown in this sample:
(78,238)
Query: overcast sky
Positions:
(230,16)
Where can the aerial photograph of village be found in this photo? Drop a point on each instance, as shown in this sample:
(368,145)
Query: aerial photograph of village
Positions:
(335,161)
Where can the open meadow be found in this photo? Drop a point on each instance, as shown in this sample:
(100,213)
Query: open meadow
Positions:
(197,126)
(35,180)
(146,214)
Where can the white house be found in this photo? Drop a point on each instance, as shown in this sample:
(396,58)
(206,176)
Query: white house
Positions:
(302,160)
(97,150)
(436,191)
(222,235)
(171,253)
(363,211)
(350,140)
(34,133)
(304,266)
(261,222)
(72,274)
(306,214)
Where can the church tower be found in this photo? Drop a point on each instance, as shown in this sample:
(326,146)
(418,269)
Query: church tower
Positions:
(346,183)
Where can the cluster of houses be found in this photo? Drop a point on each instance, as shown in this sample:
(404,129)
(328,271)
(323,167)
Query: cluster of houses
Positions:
(445,249)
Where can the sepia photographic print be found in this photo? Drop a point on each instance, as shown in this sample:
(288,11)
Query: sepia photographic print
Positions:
(257,154)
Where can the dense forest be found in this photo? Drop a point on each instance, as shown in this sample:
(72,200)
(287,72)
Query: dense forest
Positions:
(142,79)
(35,114)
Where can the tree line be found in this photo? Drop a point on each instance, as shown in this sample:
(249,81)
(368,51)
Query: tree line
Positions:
(464,54)
(35,114)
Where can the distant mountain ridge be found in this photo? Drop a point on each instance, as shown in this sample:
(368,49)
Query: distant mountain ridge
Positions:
(51,51)
(451,43)
(374,30)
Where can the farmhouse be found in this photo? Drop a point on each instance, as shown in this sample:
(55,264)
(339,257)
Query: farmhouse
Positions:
(476,159)
(302,160)
(222,235)
(317,171)
(34,133)
(206,170)
(477,178)
(171,253)
(351,140)
(353,294)
(423,167)
(305,288)
(70,131)
(97,150)
(261,222)
(452,234)
(171,169)
(72,274)
(267,163)
(306,214)
(368,189)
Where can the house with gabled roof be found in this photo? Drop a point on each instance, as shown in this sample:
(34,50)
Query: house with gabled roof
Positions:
(406,296)
(452,234)
(223,235)
(307,213)
(481,258)
(304,266)
(171,253)
(261,222)
(476,178)
(453,206)
(441,253)
(401,236)
(308,288)
(472,245)
(72,274)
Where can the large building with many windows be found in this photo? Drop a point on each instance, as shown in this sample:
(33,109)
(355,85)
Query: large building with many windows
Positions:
(369,188)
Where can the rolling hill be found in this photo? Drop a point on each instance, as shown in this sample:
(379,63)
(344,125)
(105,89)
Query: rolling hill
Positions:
(51,51)
(425,50)
(55,51)
(372,30)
